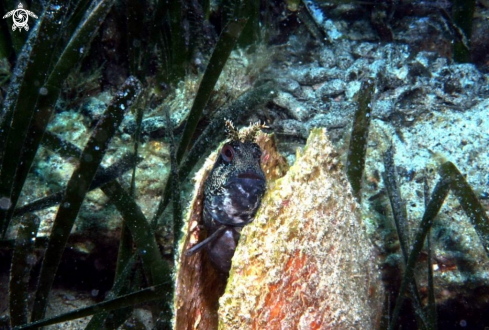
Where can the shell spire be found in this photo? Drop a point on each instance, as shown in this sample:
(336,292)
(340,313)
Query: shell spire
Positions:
(247,134)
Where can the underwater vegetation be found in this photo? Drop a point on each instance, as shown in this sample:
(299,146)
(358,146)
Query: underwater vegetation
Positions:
(44,67)
(450,180)
(462,14)
(162,74)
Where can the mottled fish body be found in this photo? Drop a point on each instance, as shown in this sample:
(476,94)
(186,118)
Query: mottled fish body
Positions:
(232,195)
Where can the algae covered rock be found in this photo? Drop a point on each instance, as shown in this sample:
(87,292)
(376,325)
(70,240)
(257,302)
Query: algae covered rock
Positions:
(305,261)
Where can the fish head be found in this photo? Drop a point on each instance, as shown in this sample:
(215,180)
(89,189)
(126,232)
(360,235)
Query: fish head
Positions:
(235,186)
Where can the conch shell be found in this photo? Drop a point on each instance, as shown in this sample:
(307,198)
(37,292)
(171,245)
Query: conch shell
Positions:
(303,263)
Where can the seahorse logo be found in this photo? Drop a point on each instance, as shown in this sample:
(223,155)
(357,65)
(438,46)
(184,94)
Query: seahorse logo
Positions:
(20,17)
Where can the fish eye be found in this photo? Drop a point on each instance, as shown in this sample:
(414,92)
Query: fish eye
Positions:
(227,153)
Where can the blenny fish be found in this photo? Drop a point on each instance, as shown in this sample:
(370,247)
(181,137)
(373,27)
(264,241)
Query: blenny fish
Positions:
(228,193)
(232,195)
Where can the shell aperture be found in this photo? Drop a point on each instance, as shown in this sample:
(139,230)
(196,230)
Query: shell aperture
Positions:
(232,195)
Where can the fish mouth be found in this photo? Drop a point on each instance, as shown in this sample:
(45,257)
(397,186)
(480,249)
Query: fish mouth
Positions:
(252,176)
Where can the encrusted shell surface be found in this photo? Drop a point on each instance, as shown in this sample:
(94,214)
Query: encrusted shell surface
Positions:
(195,303)
(305,261)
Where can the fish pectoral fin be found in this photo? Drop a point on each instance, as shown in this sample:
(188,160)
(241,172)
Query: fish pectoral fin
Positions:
(199,246)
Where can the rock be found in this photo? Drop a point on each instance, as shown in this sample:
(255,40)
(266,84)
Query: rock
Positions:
(327,58)
(290,85)
(339,114)
(291,127)
(294,108)
(352,88)
(310,75)
(344,60)
(461,79)
(330,89)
